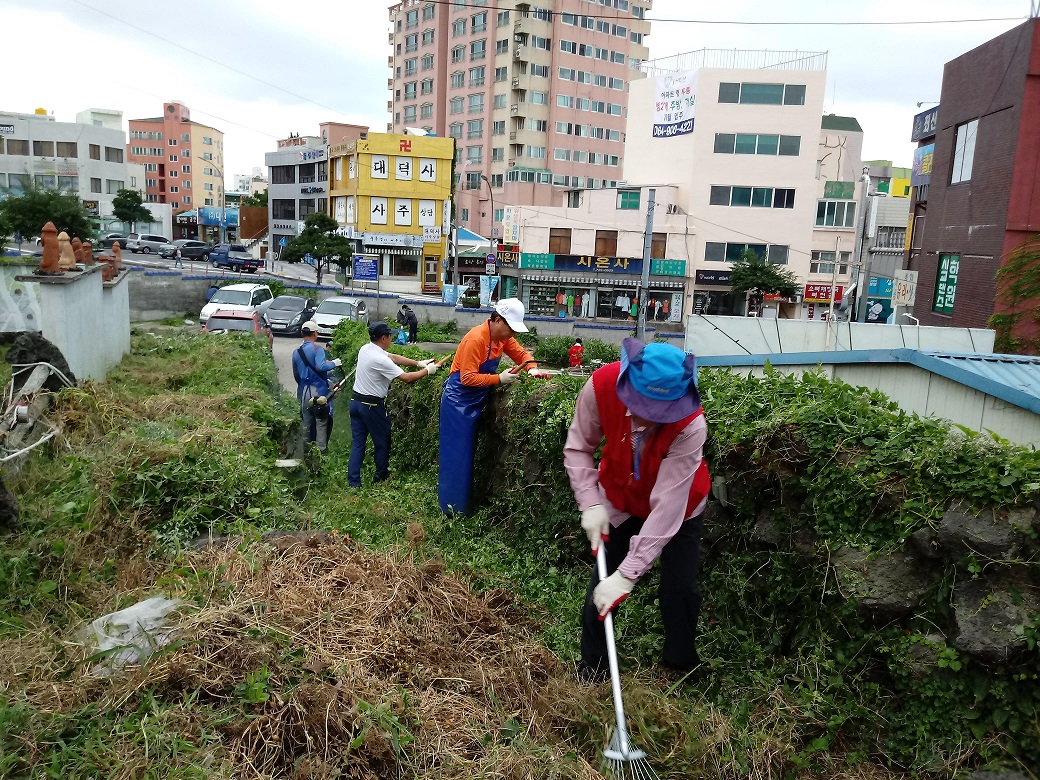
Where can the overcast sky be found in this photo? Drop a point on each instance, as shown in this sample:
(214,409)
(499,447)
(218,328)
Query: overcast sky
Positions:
(259,70)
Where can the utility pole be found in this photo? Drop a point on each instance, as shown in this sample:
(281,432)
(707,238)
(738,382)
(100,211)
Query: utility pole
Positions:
(862,275)
(644,278)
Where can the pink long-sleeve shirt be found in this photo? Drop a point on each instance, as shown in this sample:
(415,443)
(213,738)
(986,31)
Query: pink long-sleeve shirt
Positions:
(667,498)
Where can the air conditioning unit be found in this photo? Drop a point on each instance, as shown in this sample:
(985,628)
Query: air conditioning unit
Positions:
(672,208)
(518,38)
(623,183)
(793,299)
(516,54)
(516,83)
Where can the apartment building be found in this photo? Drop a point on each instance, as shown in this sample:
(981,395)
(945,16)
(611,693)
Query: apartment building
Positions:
(83,157)
(535,96)
(183,160)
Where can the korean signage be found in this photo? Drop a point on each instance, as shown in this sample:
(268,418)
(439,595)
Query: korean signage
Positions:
(817,293)
(366,269)
(311,190)
(946,289)
(312,154)
(6,129)
(211,215)
(921,173)
(904,288)
(925,124)
(93,207)
(674,104)
(880,287)
(879,310)
(431,234)
(713,278)
(511,224)
(392,239)
(606,265)
(508,255)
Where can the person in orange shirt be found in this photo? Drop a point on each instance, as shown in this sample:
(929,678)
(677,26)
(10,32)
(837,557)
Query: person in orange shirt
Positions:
(474,371)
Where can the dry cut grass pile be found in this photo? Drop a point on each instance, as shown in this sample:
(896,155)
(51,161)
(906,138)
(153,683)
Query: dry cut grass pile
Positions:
(331,661)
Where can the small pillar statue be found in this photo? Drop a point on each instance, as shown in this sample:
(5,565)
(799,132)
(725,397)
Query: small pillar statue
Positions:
(77,249)
(108,268)
(66,257)
(51,256)
(88,253)
(117,255)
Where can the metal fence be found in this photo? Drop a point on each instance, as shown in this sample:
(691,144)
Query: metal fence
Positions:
(764,59)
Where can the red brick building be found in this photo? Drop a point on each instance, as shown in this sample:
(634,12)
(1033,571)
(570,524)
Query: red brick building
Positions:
(982,198)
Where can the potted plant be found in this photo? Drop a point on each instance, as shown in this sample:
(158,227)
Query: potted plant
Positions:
(470,301)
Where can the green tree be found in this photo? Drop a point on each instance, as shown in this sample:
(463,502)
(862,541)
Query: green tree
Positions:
(35,206)
(256,199)
(754,275)
(320,241)
(128,206)
(1017,319)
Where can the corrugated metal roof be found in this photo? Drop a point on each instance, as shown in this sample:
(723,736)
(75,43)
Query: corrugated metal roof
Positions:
(1011,378)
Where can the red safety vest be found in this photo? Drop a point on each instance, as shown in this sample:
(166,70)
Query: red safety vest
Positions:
(616,475)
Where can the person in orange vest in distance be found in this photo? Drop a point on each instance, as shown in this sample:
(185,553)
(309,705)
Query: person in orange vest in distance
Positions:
(576,354)
(645,500)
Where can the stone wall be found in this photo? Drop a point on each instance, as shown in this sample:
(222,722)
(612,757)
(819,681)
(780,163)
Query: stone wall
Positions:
(155,295)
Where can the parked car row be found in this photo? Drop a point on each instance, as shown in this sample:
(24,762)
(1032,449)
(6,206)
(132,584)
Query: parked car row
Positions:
(282,315)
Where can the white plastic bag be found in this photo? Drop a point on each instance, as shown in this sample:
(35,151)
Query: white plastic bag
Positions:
(129,635)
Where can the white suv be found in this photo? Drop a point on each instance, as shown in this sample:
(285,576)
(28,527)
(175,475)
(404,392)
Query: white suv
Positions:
(238,297)
(145,242)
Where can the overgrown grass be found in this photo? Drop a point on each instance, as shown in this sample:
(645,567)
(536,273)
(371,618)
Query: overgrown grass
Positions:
(180,443)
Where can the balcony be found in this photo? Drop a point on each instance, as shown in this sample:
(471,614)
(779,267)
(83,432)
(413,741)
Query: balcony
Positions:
(389,105)
(390,61)
(390,83)
(527,25)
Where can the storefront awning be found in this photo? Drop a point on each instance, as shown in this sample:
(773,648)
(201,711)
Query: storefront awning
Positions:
(606,282)
(399,251)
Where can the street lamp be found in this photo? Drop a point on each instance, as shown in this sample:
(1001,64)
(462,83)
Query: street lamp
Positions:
(223,214)
(491,194)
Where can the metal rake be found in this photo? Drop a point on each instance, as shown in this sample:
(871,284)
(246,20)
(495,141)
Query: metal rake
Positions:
(621,759)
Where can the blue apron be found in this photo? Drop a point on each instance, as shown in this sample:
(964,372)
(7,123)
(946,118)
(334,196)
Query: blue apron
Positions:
(461,407)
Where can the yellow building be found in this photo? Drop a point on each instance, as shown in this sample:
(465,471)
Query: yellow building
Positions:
(392,193)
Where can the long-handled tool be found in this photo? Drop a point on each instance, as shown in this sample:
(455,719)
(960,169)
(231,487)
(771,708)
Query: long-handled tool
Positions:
(621,758)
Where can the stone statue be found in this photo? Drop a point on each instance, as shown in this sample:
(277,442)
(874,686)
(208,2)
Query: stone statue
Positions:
(77,249)
(66,256)
(108,268)
(117,254)
(51,256)
(88,253)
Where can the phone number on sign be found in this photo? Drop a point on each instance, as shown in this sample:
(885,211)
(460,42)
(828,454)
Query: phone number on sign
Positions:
(666,131)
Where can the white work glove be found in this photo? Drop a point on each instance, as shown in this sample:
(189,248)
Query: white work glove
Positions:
(425,363)
(596,523)
(431,368)
(539,373)
(507,378)
(337,362)
(611,592)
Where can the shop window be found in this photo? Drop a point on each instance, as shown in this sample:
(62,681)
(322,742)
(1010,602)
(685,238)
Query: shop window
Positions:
(658,242)
(559,241)
(606,243)
(407,265)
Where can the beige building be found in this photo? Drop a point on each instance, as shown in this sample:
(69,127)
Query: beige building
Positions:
(535,96)
(754,165)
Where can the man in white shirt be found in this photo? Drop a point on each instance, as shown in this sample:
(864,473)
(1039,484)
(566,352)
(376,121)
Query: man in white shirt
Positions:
(376,369)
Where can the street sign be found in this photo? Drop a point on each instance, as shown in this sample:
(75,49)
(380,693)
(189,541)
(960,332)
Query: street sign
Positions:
(282,241)
(490,267)
(366,269)
(308,259)
(904,291)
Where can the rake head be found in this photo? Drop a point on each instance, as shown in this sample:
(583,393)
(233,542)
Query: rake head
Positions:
(623,761)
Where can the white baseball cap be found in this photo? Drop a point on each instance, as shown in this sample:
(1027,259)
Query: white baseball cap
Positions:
(512,311)
(310,326)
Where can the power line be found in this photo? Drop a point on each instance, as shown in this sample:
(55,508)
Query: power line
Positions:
(207,57)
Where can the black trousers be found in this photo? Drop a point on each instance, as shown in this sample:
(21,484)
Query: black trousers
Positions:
(678,593)
(413,331)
